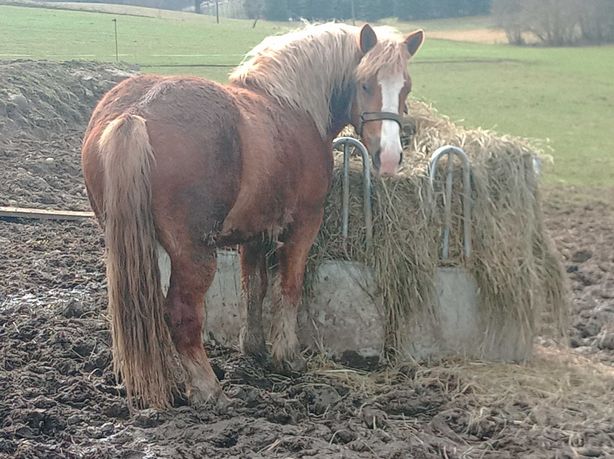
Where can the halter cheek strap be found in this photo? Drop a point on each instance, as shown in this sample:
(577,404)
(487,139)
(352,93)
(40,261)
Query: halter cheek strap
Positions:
(365,117)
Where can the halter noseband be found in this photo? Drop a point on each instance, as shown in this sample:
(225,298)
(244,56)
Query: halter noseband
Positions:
(365,117)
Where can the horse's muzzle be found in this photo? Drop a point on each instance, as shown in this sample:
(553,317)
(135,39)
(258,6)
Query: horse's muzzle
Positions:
(386,164)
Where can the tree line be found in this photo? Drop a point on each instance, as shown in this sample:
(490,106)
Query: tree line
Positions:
(281,10)
(556,22)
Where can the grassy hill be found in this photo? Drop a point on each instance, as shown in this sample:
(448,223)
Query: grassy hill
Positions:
(565,95)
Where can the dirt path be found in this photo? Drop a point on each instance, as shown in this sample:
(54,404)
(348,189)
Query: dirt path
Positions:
(485,35)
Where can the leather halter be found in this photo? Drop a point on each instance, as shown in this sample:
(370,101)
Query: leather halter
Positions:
(365,117)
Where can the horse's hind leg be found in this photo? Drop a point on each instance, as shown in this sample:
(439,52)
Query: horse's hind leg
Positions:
(254,287)
(192,273)
(292,260)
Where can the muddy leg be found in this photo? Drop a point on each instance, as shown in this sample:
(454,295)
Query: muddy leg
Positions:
(292,259)
(253,288)
(191,275)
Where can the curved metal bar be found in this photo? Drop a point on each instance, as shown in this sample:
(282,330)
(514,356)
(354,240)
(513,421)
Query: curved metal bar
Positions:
(345,212)
(347,143)
(450,151)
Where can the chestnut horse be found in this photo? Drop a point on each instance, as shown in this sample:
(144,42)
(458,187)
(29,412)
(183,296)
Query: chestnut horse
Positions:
(176,167)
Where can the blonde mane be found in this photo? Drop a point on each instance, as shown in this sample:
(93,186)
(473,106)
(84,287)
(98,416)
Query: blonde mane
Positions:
(303,68)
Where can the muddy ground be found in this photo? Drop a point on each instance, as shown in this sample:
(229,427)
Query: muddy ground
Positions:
(59,398)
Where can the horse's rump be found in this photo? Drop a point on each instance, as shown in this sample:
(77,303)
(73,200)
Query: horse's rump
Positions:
(192,128)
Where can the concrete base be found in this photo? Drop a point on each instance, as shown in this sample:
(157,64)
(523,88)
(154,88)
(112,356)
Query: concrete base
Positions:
(343,315)
(456,328)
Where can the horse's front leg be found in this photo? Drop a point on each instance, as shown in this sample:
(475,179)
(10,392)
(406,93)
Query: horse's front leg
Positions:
(292,260)
(253,287)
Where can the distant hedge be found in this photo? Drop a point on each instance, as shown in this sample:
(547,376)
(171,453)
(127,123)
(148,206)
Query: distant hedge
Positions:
(556,22)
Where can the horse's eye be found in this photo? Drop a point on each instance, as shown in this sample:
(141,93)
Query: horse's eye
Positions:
(365,88)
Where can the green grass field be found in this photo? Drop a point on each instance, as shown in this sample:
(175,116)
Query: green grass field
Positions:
(565,95)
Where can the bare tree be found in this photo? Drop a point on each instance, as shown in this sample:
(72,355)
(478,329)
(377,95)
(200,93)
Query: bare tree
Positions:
(254,9)
(597,21)
(509,16)
(556,22)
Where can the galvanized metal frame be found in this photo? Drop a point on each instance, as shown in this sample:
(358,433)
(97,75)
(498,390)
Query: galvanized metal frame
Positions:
(451,151)
(351,144)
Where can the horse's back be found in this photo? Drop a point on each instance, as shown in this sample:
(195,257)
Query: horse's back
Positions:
(190,105)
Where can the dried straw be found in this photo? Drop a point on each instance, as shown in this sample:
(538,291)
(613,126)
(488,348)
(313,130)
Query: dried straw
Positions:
(520,280)
(559,397)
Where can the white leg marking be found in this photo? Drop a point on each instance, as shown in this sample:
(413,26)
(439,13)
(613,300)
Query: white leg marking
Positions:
(164,265)
(390,137)
(284,342)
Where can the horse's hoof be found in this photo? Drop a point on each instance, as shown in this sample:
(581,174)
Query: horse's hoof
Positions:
(253,347)
(261,356)
(291,366)
(227,405)
(218,403)
(298,364)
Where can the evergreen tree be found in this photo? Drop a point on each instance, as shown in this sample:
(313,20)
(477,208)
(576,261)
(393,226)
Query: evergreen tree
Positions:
(276,10)
(409,9)
(322,9)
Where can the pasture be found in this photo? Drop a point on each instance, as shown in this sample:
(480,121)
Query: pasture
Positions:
(60,397)
(562,96)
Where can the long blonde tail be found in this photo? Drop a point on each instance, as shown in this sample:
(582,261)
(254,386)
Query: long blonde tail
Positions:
(142,346)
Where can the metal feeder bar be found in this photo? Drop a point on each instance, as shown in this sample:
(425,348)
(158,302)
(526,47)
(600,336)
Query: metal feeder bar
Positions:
(348,143)
(450,151)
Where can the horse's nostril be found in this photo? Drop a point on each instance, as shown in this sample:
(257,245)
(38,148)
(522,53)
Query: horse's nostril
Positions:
(376,160)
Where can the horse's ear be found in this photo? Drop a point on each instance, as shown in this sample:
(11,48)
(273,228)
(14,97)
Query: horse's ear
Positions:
(368,39)
(414,41)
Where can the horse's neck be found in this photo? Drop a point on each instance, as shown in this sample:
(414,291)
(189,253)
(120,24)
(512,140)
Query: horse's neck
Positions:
(303,79)
(340,105)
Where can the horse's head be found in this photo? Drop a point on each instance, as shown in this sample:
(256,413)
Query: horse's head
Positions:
(382,87)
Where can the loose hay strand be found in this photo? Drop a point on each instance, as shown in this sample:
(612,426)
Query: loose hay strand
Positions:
(557,393)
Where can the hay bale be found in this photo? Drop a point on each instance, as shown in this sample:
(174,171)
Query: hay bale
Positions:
(520,279)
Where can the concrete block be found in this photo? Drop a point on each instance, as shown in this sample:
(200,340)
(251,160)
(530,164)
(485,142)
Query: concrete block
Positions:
(344,315)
